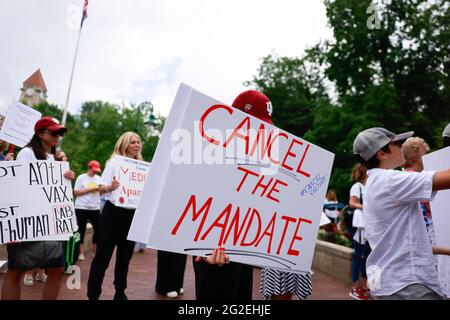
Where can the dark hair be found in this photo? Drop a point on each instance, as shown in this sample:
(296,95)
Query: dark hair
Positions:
(38,149)
(446,141)
(373,162)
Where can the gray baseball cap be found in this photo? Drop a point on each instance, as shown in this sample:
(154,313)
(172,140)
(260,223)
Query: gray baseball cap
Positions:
(446,132)
(370,141)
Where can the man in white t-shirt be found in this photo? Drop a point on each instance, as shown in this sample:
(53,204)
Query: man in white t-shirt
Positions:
(87,203)
(400,265)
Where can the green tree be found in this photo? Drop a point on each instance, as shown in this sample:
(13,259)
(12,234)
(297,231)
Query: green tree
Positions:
(389,64)
(295,88)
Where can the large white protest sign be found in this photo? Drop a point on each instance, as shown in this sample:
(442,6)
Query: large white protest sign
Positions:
(131,175)
(440,206)
(220,177)
(36,201)
(18,127)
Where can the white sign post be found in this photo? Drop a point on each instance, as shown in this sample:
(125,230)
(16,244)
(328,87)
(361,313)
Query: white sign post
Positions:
(440,211)
(440,206)
(221,177)
(36,201)
(18,127)
(131,175)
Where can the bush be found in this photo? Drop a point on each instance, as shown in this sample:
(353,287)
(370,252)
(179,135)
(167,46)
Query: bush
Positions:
(334,237)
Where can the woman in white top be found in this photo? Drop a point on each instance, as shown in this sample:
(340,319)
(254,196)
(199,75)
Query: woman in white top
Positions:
(361,248)
(41,147)
(114,225)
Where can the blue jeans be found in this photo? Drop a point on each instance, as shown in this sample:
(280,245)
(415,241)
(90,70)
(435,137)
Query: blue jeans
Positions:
(360,254)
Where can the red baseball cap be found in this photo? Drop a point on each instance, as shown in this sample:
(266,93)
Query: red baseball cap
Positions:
(255,103)
(95,166)
(50,124)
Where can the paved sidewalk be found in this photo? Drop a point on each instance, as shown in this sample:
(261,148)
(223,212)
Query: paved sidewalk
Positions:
(142,277)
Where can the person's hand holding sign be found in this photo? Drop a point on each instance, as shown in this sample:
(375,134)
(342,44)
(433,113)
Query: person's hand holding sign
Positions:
(218,257)
(114,185)
(9,157)
(69,174)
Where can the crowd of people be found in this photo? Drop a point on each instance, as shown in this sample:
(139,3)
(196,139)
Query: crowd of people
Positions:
(394,247)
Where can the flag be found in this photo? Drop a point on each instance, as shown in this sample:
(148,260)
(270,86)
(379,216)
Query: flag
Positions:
(84,17)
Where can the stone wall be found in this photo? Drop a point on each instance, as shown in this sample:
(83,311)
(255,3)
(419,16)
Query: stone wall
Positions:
(334,260)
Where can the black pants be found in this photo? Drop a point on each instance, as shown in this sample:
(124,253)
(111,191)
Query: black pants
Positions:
(233,281)
(115,223)
(83,216)
(170,272)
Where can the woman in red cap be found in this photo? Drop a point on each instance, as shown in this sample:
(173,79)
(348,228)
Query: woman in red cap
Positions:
(47,132)
(87,203)
(275,284)
(216,278)
(234,281)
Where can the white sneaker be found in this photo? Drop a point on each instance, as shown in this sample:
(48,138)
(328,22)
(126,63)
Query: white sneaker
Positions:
(81,257)
(40,278)
(172,294)
(181,291)
(28,280)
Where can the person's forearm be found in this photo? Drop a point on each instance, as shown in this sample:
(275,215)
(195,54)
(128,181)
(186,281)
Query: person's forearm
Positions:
(82,192)
(79,193)
(104,189)
(441,250)
(355,205)
(441,180)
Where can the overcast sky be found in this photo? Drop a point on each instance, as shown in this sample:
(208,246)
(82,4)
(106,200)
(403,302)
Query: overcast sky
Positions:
(139,50)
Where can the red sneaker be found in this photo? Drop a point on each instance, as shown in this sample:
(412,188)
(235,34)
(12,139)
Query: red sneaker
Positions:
(366,292)
(358,294)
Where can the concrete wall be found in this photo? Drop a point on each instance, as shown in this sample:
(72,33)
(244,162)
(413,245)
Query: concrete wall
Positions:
(334,260)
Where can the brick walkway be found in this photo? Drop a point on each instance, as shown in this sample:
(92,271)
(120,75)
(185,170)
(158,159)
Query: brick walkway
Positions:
(142,277)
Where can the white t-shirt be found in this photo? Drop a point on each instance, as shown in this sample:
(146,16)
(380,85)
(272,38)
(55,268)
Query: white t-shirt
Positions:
(401,250)
(88,201)
(357,190)
(444,273)
(27,154)
(107,177)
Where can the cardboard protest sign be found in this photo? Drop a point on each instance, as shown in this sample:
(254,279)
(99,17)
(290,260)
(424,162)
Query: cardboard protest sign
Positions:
(18,126)
(131,175)
(440,206)
(221,177)
(36,201)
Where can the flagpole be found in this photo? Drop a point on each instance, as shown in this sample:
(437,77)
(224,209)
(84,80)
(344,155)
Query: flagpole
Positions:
(71,79)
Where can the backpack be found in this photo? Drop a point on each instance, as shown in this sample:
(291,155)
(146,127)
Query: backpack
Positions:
(348,215)
(348,219)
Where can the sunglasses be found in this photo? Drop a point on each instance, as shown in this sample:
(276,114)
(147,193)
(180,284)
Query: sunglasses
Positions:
(56,133)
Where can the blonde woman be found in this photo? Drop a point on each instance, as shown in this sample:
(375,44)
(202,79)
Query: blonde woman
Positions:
(115,223)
